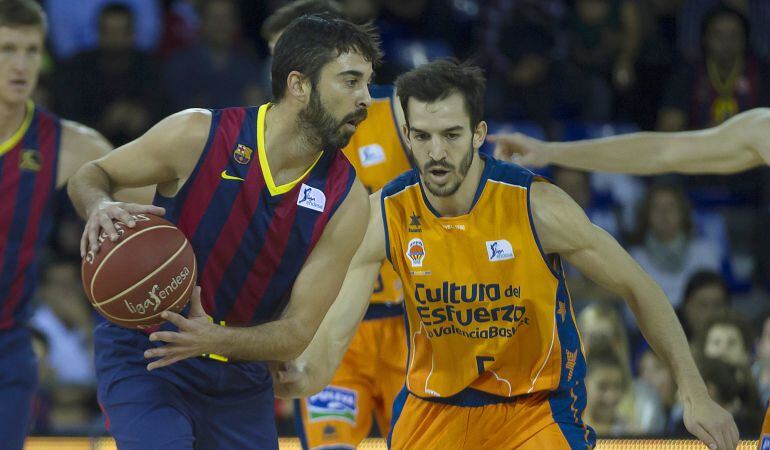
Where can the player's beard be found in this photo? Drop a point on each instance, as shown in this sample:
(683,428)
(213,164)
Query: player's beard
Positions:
(450,187)
(320,127)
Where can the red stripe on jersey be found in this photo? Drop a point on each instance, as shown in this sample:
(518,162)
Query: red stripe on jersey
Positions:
(230,236)
(205,184)
(261,273)
(9,188)
(43,187)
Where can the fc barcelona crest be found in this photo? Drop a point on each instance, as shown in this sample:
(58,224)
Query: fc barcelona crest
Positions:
(30,160)
(242,154)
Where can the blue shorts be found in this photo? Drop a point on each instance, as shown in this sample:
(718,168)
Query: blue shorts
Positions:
(18,380)
(197,403)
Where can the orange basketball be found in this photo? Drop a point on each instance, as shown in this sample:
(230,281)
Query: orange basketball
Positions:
(149,269)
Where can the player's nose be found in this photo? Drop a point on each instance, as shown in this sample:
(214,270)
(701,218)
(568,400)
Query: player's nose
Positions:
(366,99)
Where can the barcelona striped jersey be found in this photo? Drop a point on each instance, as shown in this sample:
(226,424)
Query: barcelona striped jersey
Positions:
(28,164)
(489,317)
(378,153)
(251,237)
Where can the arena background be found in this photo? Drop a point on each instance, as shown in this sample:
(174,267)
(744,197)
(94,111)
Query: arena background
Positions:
(557,70)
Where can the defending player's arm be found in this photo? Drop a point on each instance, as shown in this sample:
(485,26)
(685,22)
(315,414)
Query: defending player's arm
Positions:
(284,339)
(563,228)
(739,144)
(163,156)
(314,369)
(81,144)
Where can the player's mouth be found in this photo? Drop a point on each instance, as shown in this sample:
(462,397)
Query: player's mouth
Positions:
(355,119)
(439,175)
(19,83)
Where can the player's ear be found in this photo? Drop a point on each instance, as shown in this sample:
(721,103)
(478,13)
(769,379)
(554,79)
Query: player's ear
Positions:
(405,133)
(298,86)
(479,135)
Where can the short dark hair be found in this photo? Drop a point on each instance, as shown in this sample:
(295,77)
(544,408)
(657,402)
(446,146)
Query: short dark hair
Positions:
(311,42)
(704,278)
(22,13)
(283,16)
(116,8)
(721,376)
(441,78)
(645,207)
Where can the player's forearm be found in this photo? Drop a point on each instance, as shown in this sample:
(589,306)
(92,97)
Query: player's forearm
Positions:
(280,340)
(318,363)
(662,330)
(88,187)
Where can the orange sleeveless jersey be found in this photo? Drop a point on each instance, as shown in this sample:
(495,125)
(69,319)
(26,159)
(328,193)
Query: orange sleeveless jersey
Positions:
(489,316)
(379,155)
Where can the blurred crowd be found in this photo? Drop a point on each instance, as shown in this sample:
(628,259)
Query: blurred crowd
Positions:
(557,70)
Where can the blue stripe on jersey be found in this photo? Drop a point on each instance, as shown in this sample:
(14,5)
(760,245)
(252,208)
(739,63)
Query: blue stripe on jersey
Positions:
(568,401)
(240,266)
(218,211)
(21,212)
(398,408)
(174,204)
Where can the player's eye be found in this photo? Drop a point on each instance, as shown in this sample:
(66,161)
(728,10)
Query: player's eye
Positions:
(421,136)
(352,83)
(452,136)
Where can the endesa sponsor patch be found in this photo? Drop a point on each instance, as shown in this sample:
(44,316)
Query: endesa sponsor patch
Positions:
(333,403)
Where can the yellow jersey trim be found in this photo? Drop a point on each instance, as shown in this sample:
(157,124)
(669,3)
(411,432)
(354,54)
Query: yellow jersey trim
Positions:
(266,174)
(11,142)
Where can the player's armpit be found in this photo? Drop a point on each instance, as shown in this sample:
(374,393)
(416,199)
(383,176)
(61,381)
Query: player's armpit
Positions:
(314,369)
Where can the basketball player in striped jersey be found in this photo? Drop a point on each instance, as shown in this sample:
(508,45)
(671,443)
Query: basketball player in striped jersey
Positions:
(38,153)
(274,213)
(495,358)
(741,143)
(372,371)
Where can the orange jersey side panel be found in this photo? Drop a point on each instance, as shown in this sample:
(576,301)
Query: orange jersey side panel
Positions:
(378,155)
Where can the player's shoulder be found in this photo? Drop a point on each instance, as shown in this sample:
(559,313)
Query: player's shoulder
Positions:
(407,179)
(508,173)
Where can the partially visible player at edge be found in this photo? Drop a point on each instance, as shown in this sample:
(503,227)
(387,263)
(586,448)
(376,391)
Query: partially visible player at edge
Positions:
(274,213)
(38,154)
(741,143)
(495,359)
(372,371)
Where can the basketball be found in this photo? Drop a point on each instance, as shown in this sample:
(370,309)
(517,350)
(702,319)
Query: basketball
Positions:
(149,269)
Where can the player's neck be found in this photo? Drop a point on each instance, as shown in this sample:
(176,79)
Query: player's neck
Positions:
(460,202)
(11,118)
(286,148)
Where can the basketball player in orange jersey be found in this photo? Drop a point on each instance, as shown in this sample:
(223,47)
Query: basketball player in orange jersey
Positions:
(372,370)
(739,144)
(495,360)
(38,154)
(274,213)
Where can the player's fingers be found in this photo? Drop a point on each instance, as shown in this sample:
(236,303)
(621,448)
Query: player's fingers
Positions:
(165,336)
(177,319)
(152,209)
(165,362)
(93,235)
(196,308)
(106,223)
(701,433)
(84,242)
(125,217)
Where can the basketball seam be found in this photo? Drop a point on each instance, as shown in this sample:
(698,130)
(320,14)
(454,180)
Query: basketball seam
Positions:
(101,264)
(147,277)
(181,296)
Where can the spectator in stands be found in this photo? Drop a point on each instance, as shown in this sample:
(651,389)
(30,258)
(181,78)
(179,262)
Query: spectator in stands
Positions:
(705,296)
(761,367)
(519,45)
(605,39)
(639,408)
(728,78)
(64,316)
(216,71)
(655,374)
(74,27)
(727,337)
(114,88)
(667,249)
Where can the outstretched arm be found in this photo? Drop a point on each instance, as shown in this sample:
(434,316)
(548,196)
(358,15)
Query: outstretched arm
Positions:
(564,228)
(314,369)
(741,143)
